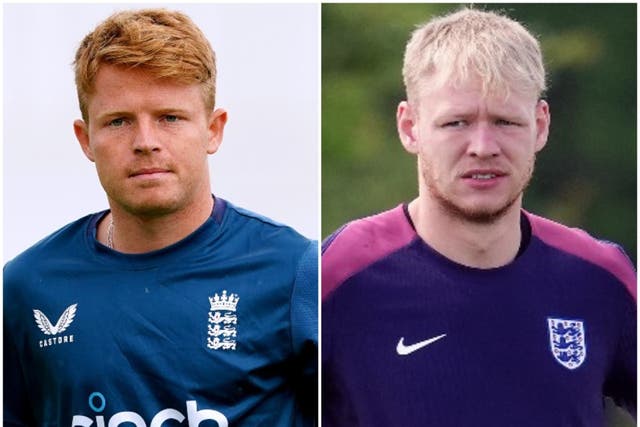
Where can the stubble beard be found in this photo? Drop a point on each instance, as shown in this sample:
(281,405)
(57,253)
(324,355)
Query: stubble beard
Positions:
(149,203)
(480,216)
(148,209)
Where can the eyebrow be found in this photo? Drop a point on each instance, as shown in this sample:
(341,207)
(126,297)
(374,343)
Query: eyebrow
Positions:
(459,110)
(455,111)
(170,110)
(125,113)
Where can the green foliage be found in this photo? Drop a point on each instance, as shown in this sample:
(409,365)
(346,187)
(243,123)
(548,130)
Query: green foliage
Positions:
(586,175)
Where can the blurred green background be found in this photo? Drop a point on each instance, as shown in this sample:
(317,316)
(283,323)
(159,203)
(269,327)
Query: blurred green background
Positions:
(586,175)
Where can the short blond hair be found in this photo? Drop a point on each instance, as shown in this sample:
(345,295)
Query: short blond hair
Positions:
(473,43)
(165,43)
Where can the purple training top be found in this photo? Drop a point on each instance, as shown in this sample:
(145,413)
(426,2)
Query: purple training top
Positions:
(411,338)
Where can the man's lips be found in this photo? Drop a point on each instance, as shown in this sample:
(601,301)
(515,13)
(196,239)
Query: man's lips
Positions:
(483,174)
(148,172)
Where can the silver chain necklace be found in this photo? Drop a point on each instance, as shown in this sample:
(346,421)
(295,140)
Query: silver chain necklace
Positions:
(110,234)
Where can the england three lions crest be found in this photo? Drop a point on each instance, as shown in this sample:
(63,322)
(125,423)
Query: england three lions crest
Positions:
(567,340)
(221,328)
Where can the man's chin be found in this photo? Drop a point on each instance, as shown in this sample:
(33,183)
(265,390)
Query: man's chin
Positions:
(151,208)
(482,215)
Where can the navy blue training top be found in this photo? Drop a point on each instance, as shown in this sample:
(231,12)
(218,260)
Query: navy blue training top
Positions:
(219,329)
(411,338)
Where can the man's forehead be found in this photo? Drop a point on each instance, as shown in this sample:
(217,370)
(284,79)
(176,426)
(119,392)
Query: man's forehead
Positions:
(117,88)
(137,73)
(454,90)
(465,78)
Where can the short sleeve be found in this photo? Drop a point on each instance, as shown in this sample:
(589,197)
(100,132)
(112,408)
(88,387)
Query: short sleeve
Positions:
(16,409)
(304,334)
(621,383)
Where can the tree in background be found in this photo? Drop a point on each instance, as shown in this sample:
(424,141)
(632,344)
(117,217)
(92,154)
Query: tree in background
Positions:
(585,176)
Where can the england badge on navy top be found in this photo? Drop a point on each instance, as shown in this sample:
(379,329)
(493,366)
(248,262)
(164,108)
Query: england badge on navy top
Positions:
(567,340)
(222,321)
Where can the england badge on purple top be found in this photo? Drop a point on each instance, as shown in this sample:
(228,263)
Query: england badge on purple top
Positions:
(567,339)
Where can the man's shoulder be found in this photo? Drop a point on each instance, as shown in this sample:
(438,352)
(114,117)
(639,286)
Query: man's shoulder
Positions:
(241,221)
(60,237)
(62,243)
(606,255)
(274,241)
(362,242)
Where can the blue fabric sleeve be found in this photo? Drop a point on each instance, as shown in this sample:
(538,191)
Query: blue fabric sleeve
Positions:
(16,410)
(304,334)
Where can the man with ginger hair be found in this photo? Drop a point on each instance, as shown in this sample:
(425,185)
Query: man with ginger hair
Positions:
(173,306)
(460,308)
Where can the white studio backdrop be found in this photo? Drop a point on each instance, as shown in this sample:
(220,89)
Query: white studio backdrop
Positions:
(268,81)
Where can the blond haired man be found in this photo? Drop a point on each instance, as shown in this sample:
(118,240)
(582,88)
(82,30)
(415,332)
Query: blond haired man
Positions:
(460,308)
(173,306)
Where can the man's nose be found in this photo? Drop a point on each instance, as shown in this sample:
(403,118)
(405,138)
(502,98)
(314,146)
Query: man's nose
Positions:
(146,138)
(483,141)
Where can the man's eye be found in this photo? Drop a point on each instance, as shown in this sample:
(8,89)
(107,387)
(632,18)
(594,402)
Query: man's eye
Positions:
(503,122)
(116,123)
(171,118)
(455,124)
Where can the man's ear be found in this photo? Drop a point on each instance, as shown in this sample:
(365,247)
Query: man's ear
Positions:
(81,129)
(543,122)
(217,120)
(406,121)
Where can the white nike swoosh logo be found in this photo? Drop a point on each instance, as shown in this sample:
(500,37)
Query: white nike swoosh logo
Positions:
(403,350)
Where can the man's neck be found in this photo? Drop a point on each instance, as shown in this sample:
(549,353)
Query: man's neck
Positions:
(138,234)
(479,245)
